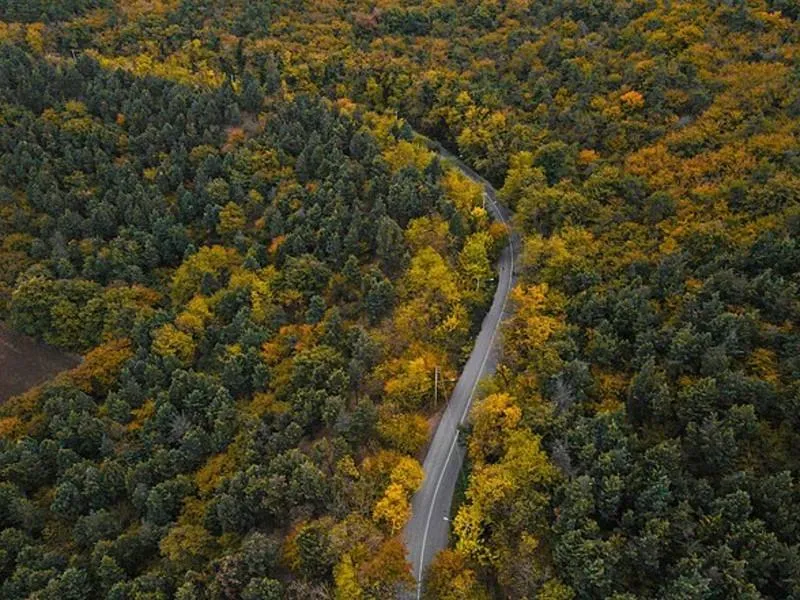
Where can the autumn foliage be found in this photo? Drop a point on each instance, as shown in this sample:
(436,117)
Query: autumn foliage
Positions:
(224,208)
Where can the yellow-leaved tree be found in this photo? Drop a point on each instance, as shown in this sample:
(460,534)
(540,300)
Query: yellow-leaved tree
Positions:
(492,419)
(511,473)
(474,258)
(451,578)
(462,191)
(209,262)
(521,175)
(407,154)
(172,342)
(394,508)
(231,219)
(346,581)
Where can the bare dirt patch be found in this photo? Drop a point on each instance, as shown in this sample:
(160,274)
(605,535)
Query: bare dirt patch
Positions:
(24,362)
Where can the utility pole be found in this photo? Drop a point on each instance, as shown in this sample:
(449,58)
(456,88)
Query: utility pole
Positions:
(436,386)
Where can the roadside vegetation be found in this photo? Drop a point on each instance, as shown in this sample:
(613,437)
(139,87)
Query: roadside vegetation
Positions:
(222,206)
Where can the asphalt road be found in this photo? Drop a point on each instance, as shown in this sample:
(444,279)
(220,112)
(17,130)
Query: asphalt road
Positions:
(427,531)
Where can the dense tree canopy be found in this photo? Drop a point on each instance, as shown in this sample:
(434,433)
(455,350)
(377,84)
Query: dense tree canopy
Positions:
(217,204)
(242,270)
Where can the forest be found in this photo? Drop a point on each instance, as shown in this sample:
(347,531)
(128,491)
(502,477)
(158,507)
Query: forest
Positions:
(223,207)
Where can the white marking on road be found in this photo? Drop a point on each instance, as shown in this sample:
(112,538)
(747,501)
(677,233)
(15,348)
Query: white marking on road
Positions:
(469,398)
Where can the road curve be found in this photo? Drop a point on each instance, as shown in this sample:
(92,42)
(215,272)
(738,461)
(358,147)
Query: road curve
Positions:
(428,530)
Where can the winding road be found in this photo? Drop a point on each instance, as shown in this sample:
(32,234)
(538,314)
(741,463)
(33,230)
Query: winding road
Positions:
(427,531)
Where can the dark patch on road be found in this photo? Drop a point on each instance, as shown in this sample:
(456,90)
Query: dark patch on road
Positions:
(25,362)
